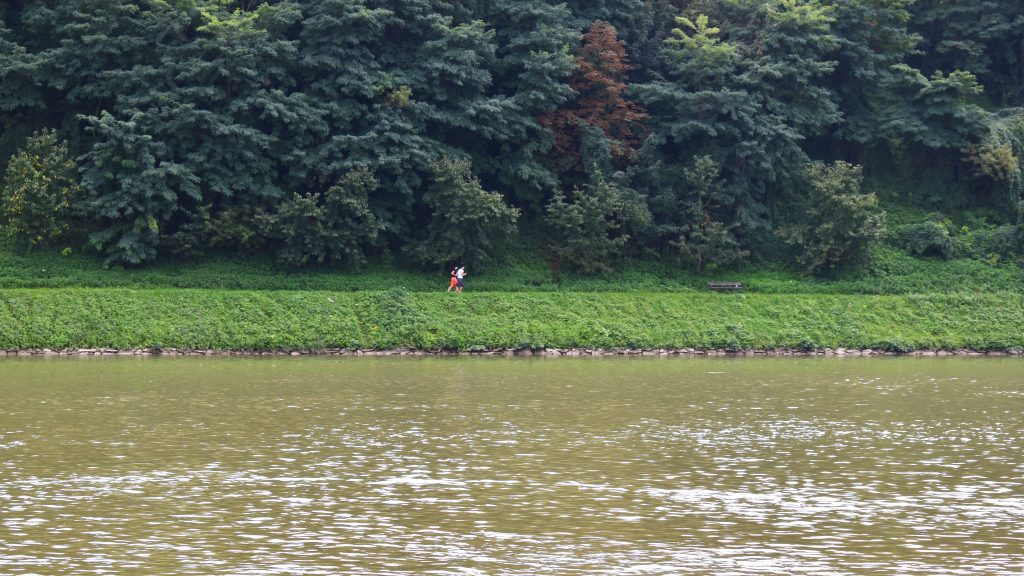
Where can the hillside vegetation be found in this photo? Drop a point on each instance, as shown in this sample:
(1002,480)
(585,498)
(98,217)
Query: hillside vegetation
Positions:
(357,134)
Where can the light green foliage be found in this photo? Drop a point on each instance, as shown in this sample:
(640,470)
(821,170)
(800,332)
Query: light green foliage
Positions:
(467,224)
(282,321)
(838,221)
(337,228)
(699,54)
(38,189)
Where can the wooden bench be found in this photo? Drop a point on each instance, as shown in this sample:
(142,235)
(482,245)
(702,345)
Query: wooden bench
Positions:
(720,286)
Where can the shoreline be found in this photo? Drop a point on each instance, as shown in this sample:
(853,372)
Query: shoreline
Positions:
(509,352)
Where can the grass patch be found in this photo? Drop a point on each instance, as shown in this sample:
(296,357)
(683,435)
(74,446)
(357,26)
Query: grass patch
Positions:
(276,320)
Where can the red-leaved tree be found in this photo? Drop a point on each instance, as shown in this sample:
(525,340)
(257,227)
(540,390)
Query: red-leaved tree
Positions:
(599,80)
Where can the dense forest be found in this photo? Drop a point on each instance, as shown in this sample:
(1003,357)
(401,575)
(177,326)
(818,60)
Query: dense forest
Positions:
(337,132)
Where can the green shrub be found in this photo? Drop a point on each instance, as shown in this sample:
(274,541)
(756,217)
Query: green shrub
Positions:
(838,223)
(589,230)
(337,228)
(988,242)
(38,189)
(468,225)
(928,238)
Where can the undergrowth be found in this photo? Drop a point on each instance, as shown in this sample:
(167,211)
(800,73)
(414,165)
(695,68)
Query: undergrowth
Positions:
(891,272)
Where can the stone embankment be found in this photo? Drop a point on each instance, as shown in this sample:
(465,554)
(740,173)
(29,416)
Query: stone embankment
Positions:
(545,352)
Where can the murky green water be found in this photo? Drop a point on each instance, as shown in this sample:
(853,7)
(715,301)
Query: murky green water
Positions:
(511,466)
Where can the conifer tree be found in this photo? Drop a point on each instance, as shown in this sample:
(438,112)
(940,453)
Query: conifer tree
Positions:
(532,62)
(873,37)
(599,81)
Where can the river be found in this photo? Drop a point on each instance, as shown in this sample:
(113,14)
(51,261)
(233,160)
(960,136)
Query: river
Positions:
(486,466)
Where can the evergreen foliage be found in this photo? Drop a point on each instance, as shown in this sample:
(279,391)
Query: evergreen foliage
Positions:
(337,228)
(702,240)
(467,224)
(589,231)
(675,128)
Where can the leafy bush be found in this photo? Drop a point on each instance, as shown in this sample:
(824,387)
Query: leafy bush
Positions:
(38,188)
(838,223)
(928,238)
(337,228)
(701,240)
(468,224)
(589,233)
(989,242)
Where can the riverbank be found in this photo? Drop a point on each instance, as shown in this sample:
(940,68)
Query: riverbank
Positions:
(348,322)
(545,353)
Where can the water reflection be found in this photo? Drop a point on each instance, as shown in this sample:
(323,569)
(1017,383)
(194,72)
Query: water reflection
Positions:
(494,466)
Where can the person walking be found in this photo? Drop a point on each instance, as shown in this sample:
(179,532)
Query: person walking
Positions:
(460,278)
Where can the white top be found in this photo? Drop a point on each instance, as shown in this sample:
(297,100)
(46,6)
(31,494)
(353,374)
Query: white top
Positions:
(460,273)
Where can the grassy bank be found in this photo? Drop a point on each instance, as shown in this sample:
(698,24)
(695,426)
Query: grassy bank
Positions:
(273,320)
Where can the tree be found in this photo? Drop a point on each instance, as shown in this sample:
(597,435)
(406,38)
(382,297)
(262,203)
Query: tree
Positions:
(38,189)
(18,70)
(599,83)
(686,220)
(467,224)
(936,112)
(532,62)
(838,222)
(649,31)
(998,161)
(132,187)
(335,228)
(873,37)
(210,120)
(619,13)
(748,100)
(407,86)
(983,37)
(588,229)
(699,109)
